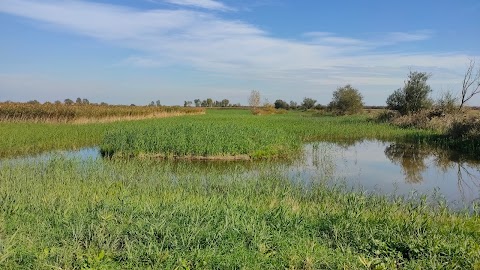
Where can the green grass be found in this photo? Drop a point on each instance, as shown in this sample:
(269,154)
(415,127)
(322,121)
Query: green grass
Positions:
(71,214)
(141,214)
(231,133)
(190,138)
(29,138)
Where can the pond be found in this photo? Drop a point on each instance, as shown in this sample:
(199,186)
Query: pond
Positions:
(390,168)
(394,169)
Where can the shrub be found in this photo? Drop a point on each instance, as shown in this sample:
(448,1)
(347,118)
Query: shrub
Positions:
(280,104)
(308,103)
(346,100)
(413,97)
(447,103)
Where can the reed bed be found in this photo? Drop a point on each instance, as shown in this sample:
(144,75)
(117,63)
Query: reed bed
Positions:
(71,214)
(226,134)
(62,113)
(293,128)
(191,139)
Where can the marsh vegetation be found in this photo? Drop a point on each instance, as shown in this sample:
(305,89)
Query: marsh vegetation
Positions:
(71,213)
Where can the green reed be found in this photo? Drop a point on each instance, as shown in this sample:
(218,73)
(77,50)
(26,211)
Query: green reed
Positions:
(70,214)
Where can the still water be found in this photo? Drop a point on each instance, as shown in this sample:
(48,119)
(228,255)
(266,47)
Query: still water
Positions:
(371,166)
(394,168)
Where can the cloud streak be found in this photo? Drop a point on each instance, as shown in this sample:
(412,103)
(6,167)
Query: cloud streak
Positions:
(205,4)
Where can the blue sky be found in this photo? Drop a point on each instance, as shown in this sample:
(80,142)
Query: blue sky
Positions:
(174,50)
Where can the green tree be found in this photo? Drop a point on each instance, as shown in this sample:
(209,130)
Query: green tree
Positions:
(209,102)
(293,105)
(68,101)
(346,100)
(225,102)
(414,96)
(308,103)
(197,102)
(280,104)
(78,101)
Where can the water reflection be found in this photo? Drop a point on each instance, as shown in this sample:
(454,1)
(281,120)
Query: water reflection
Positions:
(415,160)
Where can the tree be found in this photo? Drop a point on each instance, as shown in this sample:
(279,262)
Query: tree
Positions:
(346,100)
(68,101)
(85,101)
(209,102)
(158,103)
(413,97)
(33,102)
(225,102)
(293,104)
(308,103)
(197,102)
(57,102)
(471,83)
(280,104)
(187,103)
(78,101)
(254,99)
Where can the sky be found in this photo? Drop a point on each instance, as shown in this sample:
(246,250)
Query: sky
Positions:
(136,51)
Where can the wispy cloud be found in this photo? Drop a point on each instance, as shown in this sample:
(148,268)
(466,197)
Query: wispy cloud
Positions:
(369,42)
(204,41)
(206,4)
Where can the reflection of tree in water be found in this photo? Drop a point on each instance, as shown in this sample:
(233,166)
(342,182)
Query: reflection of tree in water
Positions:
(412,158)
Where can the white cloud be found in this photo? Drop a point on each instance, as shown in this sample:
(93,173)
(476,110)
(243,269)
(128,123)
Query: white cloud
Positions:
(206,42)
(206,4)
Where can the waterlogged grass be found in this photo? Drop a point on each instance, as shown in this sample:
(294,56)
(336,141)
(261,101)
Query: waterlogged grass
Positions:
(28,138)
(188,138)
(70,214)
(233,133)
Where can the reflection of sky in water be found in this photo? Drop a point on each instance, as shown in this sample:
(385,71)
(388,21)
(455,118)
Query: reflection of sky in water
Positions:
(366,165)
(363,165)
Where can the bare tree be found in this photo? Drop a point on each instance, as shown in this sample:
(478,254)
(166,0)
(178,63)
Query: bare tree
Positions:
(471,83)
(254,99)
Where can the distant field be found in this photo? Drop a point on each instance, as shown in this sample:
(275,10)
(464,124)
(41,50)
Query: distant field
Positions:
(63,113)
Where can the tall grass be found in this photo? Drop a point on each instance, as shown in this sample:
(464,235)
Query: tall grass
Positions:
(24,112)
(188,138)
(222,133)
(72,214)
(26,138)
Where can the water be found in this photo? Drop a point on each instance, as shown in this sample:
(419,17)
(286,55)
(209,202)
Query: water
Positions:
(371,166)
(393,168)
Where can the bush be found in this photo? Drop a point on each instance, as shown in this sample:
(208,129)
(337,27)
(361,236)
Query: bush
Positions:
(413,97)
(387,116)
(280,104)
(346,100)
(447,103)
(467,128)
(308,103)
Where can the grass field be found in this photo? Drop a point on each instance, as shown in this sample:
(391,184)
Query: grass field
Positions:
(70,214)
(65,213)
(28,138)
